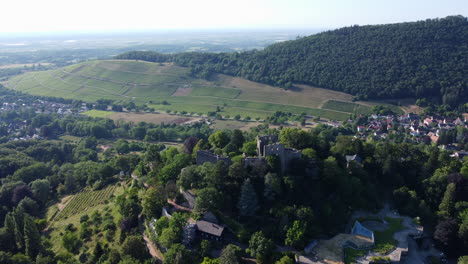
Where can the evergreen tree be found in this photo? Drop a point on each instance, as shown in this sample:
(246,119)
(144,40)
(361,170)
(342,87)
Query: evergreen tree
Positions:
(18,216)
(446,207)
(248,203)
(32,237)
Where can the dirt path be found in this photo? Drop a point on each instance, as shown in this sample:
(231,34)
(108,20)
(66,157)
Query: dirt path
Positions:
(180,207)
(153,251)
(65,200)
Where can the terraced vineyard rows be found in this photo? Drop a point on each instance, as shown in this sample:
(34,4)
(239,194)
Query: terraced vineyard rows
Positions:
(84,200)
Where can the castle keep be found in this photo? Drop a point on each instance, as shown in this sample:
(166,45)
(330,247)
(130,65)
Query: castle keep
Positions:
(266,146)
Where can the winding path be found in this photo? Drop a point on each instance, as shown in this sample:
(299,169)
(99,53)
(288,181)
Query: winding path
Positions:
(152,249)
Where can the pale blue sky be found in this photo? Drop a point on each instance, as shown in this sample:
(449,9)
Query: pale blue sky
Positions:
(98,15)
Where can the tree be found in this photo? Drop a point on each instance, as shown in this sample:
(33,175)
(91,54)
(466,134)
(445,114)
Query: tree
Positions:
(446,234)
(32,238)
(463,229)
(121,146)
(32,172)
(218,139)
(230,255)
(285,260)
(168,237)
(463,260)
(189,145)
(129,204)
(272,186)
(71,242)
(20,192)
(178,222)
(207,260)
(189,178)
(161,224)
(29,206)
(274,162)
(177,254)
(260,247)
(208,199)
(295,138)
(248,203)
(199,146)
(249,148)
(309,153)
(237,138)
(97,252)
(40,190)
(295,235)
(135,247)
(406,201)
(153,202)
(446,207)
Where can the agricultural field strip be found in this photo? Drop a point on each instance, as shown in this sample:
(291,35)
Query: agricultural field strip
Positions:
(146,73)
(105,79)
(89,86)
(254,101)
(40,83)
(16,81)
(57,89)
(84,200)
(142,84)
(117,82)
(214,97)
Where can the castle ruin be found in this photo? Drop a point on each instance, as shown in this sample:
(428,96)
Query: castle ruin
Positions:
(267,146)
(208,156)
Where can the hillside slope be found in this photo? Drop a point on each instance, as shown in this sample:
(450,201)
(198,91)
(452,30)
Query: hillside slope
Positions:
(168,87)
(418,59)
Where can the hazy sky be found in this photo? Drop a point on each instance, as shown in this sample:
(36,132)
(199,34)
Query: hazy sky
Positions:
(98,15)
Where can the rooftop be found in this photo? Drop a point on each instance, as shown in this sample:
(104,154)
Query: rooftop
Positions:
(210,228)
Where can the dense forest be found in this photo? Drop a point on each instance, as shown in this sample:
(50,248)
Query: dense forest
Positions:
(425,59)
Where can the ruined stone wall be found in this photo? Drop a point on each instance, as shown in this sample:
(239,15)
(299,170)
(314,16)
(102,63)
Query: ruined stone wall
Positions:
(284,154)
(207,156)
(263,141)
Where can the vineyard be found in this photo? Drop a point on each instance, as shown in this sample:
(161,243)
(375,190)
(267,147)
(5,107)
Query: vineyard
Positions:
(84,200)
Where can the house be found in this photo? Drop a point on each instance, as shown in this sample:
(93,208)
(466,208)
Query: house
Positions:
(360,230)
(355,158)
(428,121)
(361,128)
(208,230)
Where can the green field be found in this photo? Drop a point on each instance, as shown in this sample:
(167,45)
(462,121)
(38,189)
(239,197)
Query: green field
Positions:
(346,107)
(145,82)
(216,92)
(384,240)
(98,113)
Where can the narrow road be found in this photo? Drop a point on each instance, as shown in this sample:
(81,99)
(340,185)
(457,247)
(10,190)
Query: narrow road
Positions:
(152,249)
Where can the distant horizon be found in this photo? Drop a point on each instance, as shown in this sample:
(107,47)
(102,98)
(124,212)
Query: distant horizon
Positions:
(106,16)
(170,31)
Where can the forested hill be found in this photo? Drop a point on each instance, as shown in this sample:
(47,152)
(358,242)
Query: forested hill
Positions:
(417,59)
